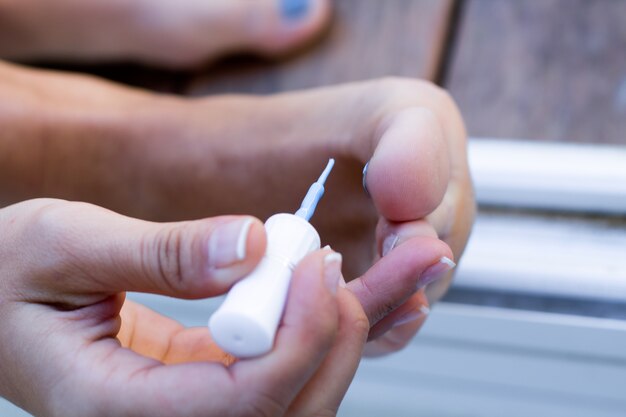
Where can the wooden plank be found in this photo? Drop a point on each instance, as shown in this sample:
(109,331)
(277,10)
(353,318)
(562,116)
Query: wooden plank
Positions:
(368,39)
(543,69)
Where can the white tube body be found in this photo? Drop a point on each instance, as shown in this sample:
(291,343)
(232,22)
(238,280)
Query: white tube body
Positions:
(245,324)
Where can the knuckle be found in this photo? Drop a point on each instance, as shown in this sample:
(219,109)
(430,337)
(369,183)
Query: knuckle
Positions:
(377,308)
(360,325)
(383,310)
(48,218)
(408,87)
(325,412)
(53,223)
(162,255)
(410,92)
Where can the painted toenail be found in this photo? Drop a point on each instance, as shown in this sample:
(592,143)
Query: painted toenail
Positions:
(294,9)
(365,178)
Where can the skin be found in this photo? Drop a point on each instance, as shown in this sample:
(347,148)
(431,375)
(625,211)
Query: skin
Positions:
(165,159)
(180,34)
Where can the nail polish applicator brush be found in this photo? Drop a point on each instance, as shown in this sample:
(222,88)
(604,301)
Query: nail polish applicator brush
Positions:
(245,324)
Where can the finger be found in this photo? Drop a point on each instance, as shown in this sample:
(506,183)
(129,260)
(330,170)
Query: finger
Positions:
(260,386)
(323,394)
(93,250)
(397,276)
(155,336)
(408,174)
(306,334)
(392,234)
(395,331)
(394,340)
(416,306)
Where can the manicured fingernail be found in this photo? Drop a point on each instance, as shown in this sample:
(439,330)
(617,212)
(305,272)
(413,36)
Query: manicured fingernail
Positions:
(389,243)
(294,9)
(436,271)
(332,271)
(365,178)
(227,244)
(411,316)
(342,281)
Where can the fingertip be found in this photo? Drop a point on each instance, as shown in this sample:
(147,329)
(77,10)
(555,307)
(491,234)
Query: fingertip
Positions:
(234,247)
(320,267)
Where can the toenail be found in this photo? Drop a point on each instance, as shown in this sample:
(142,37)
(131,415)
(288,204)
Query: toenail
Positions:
(365,178)
(294,9)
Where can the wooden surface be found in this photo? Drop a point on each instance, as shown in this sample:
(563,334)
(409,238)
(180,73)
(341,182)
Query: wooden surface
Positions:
(542,69)
(536,69)
(368,39)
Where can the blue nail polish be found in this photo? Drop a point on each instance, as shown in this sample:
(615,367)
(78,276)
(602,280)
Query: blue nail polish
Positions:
(294,9)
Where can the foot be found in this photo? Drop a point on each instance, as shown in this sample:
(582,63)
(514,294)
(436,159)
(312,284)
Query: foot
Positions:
(171,158)
(260,154)
(162,32)
(263,153)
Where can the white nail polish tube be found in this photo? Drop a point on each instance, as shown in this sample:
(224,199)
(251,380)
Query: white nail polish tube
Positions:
(246,323)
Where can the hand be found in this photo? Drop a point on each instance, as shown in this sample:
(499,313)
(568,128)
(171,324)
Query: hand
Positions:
(71,346)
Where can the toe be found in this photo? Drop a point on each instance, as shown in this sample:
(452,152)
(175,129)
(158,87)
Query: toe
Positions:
(273,27)
(193,32)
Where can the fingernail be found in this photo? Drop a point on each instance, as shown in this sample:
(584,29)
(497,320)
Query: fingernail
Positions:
(389,243)
(365,178)
(436,271)
(227,244)
(294,9)
(332,271)
(342,281)
(411,316)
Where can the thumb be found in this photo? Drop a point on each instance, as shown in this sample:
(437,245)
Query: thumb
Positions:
(84,249)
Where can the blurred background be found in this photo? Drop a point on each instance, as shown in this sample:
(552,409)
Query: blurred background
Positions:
(535,324)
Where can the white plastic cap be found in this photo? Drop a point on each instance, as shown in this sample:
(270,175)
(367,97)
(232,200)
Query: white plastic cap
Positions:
(245,324)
